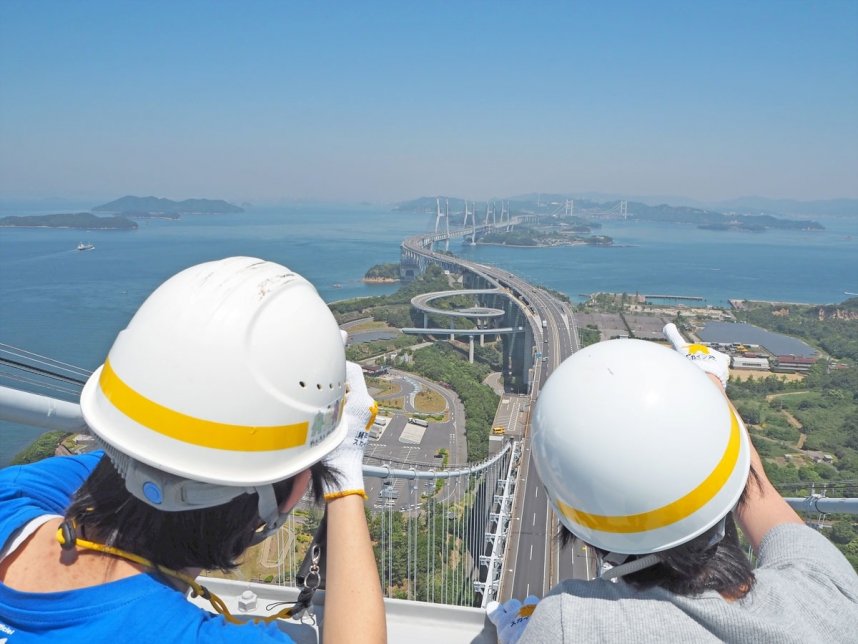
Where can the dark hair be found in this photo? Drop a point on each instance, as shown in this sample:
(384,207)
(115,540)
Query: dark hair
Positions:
(696,566)
(211,538)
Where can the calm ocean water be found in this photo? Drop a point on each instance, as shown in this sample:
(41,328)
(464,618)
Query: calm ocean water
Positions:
(69,305)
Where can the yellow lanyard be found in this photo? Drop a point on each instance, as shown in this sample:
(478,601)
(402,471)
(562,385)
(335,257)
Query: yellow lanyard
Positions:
(68,539)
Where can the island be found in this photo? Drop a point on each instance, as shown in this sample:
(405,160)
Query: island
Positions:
(78,220)
(734,225)
(382,274)
(544,236)
(139,214)
(157,206)
(554,207)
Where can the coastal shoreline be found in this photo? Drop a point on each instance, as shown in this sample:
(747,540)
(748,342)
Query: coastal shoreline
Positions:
(575,243)
(67,227)
(380,280)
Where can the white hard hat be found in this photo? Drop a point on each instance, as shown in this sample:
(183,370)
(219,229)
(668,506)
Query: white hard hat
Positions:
(231,373)
(637,449)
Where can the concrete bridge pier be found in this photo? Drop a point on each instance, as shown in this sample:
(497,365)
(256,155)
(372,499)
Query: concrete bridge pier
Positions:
(471,349)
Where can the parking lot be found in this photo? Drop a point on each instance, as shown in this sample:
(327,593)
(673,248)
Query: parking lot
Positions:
(403,444)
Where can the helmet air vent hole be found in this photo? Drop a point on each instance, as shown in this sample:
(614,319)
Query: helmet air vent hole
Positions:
(318,386)
(302,383)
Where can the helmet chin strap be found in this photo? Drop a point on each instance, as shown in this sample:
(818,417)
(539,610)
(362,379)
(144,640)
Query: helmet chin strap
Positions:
(269,512)
(627,568)
(170,493)
(622,568)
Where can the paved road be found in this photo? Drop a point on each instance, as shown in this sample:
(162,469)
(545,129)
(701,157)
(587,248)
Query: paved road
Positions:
(534,562)
(390,448)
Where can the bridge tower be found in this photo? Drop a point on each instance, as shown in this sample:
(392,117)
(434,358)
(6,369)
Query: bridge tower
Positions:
(624,209)
(569,208)
(473,215)
(490,211)
(446,216)
(505,211)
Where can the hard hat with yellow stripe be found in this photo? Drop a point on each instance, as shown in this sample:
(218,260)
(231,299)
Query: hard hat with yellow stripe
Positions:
(231,373)
(638,450)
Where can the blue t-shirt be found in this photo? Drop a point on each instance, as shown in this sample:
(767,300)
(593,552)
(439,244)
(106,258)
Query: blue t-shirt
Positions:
(140,608)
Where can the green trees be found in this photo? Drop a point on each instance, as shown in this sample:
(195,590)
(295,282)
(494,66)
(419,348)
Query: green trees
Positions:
(830,327)
(442,363)
(388,271)
(430,543)
(433,279)
(43,447)
(488,355)
(589,335)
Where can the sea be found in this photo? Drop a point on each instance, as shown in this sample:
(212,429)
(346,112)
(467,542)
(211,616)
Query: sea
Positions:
(69,305)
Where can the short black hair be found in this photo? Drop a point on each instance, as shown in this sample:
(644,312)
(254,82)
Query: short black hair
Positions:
(211,538)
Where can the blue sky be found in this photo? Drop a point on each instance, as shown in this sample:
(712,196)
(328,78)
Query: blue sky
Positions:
(381,101)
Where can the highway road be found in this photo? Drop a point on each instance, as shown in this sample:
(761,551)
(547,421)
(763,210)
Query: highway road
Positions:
(533,547)
(533,561)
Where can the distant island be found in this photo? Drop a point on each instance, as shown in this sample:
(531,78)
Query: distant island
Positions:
(552,207)
(139,214)
(79,220)
(734,225)
(382,274)
(545,236)
(167,208)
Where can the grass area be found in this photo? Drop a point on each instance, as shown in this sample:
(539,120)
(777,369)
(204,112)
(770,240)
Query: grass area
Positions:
(429,402)
(382,387)
(371,325)
(391,403)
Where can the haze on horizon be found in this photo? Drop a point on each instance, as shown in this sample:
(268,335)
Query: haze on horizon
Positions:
(385,101)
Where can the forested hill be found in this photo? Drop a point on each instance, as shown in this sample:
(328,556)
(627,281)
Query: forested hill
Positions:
(686,215)
(158,205)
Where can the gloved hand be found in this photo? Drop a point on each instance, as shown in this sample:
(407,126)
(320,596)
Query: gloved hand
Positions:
(511,618)
(360,412)
(710,360)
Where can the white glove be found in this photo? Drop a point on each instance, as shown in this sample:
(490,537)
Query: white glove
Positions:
(511,618)
(710,360)
(359,412)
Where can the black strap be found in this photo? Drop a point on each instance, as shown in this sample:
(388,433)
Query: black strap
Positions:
(311,572)
(320,540)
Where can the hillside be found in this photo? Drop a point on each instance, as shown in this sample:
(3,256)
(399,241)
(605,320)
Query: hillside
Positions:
(552,205)
(158,205)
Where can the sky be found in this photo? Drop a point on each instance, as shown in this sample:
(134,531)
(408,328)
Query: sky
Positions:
(268,101)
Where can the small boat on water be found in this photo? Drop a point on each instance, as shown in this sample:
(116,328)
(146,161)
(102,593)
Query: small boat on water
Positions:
(85,246)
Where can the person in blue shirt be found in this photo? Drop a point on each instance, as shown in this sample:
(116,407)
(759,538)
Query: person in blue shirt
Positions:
(227,395)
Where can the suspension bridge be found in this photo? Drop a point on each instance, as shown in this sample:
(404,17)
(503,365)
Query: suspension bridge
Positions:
(454,545)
